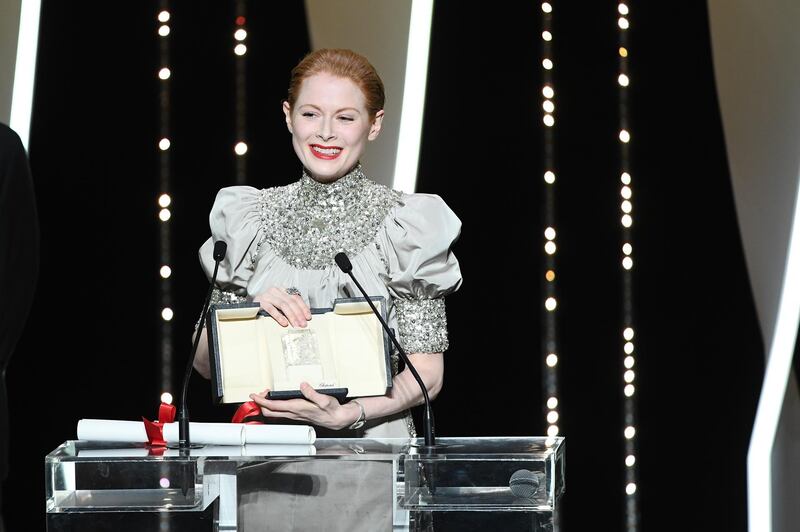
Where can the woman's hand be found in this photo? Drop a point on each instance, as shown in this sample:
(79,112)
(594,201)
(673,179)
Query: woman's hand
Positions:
(316,409)
(287,309)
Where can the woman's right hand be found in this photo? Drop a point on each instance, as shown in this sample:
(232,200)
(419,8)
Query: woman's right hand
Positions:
(286,309)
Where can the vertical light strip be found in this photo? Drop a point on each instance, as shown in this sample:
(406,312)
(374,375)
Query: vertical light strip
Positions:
(240,53)
(25,70)
(416,76)
(626,254)
(164,198)
(773,389)
(550,343)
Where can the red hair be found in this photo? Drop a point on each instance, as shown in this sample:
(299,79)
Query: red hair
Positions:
(341,63)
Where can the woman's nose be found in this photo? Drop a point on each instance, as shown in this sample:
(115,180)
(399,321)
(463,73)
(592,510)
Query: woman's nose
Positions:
(325,133)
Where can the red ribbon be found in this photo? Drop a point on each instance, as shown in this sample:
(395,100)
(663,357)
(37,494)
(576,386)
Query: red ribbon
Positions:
(166,414)
(155,429)
(246,412)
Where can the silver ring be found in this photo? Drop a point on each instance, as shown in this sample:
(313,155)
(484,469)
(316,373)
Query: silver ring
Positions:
(292,291)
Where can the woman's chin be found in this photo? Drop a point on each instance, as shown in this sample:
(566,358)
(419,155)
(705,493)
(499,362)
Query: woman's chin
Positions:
(327,171)
(323,177)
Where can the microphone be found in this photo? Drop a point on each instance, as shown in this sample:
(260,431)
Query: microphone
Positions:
(220,248)
(344,264)
(184,441)
(524,483)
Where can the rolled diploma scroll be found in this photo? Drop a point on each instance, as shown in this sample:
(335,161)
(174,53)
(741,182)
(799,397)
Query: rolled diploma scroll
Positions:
(207,433)
(111,430)
(209,450)
(283,434)
(133,432)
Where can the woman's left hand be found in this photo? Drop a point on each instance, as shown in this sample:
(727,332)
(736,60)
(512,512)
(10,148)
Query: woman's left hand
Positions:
(316,409)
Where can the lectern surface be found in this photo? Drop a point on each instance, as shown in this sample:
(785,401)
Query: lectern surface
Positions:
(520,478)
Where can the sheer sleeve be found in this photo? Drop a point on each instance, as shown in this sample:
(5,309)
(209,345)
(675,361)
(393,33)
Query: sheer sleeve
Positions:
(234,219)
(422,269)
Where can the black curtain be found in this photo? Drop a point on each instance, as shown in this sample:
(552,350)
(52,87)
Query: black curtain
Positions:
(90,348)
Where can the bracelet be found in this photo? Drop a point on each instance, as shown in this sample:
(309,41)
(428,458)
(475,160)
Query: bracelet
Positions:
(362,417)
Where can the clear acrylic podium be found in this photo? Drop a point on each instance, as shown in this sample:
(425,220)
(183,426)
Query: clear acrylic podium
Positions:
(378,484)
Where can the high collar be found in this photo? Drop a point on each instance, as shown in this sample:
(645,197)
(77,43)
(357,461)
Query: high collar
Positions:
(342,187)
(307,223)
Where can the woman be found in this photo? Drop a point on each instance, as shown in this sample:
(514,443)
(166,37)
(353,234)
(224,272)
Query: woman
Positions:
(282,242)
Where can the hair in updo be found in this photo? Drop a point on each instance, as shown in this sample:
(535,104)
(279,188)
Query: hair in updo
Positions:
(341,63)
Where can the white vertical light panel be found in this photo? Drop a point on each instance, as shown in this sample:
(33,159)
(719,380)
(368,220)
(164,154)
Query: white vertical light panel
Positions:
(409,137)
(773,391)
(25,70)
(756,52)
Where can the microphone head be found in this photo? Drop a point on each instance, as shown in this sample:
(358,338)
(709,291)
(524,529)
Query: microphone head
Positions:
(343,262)
(524,484)
(220,247)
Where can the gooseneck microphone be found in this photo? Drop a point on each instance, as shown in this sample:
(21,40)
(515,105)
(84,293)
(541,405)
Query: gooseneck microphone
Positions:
(184,441)
(344,264)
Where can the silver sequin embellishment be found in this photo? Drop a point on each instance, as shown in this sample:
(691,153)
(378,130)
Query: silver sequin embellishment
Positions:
(224,297)
(422,325)
(307,223)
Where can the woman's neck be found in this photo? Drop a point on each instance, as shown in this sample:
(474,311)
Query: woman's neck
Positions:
(356,169)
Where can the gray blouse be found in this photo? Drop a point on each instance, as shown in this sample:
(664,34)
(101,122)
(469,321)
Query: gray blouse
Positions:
(399,245)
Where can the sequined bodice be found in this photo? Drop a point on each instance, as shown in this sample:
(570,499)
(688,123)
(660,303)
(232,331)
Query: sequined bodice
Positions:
(307,223)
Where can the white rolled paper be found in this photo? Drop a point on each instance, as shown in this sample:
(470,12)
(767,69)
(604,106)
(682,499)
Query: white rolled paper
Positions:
(111,430)
(283,434)
(133,432)
(207,450)
(206,433)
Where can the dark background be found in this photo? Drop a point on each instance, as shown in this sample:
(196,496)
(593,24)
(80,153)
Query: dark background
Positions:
(91,344)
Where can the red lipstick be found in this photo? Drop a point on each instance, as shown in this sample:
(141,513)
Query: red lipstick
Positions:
(325,152)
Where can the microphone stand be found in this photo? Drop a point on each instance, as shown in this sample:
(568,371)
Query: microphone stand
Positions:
(430,441)
(184,440)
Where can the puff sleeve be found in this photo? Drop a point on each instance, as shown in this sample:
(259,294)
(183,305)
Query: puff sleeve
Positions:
(422,269)
(234,219)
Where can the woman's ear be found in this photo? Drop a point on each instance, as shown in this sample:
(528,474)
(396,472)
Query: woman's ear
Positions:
(287,110)
(376,125)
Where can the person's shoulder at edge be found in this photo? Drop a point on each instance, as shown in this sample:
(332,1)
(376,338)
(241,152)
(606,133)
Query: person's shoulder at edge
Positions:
(8,135)
(10,143)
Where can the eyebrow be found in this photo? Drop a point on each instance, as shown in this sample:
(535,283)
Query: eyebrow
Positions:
(339,111)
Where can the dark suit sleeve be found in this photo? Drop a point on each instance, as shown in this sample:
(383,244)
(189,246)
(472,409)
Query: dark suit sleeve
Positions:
(19,259)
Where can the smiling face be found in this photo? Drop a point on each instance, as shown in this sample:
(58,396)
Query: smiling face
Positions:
(330,126)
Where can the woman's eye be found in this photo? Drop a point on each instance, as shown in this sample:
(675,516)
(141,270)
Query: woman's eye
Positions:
(308,114)
(346,118)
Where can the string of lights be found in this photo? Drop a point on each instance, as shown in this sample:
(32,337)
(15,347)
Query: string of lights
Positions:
(240,52)
(550,350)
(164,201)
(626,221)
